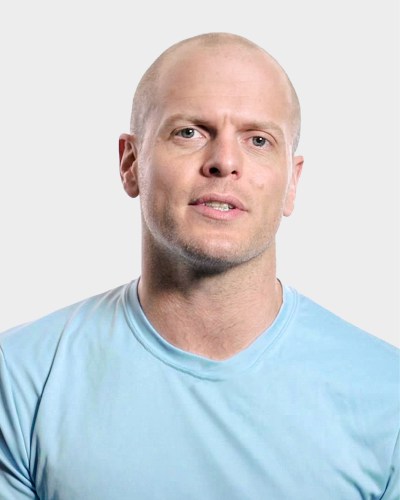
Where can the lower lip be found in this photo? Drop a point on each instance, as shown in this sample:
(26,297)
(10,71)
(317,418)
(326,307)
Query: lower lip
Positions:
(213,213)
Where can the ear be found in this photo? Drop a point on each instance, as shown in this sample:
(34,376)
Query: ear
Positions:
(291,191)
(128,164)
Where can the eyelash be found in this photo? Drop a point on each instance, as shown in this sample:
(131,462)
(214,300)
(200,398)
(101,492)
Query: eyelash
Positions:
(180,132)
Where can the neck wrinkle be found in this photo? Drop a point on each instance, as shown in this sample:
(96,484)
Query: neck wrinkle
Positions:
(214,316)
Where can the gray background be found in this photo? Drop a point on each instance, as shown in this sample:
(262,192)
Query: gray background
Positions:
(68,71)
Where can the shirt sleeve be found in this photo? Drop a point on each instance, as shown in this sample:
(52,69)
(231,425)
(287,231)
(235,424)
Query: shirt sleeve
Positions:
(15,481)
(392,491)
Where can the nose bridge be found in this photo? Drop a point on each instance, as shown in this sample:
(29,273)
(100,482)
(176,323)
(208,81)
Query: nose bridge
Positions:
(223,156)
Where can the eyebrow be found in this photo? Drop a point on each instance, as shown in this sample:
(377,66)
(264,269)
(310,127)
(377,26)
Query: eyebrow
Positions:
(256,125)
(171,120)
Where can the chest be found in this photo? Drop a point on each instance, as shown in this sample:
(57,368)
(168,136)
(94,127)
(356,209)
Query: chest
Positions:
(161,436)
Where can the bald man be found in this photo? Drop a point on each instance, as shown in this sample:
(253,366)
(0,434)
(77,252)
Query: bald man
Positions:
(206,377)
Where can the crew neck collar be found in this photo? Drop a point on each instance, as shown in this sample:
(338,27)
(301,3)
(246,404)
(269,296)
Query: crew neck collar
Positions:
(194,364)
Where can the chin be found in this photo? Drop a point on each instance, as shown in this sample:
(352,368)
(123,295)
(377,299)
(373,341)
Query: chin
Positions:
(207,265)
(215,259)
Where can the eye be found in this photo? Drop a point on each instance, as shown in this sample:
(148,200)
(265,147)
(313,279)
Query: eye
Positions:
(259,141)
(187,133)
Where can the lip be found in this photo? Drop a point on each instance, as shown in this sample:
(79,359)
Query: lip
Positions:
(221,198)
(199,206)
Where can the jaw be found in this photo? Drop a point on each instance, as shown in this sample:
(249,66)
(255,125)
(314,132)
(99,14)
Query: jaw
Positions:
(207,252)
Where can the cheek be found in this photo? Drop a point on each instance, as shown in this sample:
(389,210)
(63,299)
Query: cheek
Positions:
(271,185)
(152,176)
(158,189)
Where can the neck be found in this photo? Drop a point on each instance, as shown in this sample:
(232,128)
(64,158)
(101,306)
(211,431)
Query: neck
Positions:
(216,315)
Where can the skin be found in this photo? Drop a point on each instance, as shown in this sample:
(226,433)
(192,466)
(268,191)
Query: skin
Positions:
(221,129)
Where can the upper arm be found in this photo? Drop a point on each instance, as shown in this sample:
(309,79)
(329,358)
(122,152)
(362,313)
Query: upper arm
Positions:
(392,491)
(15,481)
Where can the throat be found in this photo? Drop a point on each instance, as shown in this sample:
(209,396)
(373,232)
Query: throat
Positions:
(216,324)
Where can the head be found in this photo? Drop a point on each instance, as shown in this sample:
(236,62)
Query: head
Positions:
(214,128)
(144,98)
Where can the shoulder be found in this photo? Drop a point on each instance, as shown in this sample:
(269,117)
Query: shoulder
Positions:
(33,345)
(42,355)
(352,355)
(346,376)
(327,328)
(359,371)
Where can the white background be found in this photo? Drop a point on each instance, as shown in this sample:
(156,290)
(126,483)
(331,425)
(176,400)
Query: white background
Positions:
(68,72)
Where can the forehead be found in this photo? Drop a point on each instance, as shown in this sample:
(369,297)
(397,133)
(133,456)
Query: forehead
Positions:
(229,78)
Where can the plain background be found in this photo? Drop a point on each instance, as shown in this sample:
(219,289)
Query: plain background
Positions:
(68,72)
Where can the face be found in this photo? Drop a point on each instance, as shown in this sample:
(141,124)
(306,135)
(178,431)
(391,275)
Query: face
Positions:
(215,169)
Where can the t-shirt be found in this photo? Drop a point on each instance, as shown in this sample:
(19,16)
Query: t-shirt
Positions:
(96,405)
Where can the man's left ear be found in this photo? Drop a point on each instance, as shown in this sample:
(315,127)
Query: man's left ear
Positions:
(291,191)
(128,164)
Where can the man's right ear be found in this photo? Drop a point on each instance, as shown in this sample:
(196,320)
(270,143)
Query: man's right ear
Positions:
(128,164)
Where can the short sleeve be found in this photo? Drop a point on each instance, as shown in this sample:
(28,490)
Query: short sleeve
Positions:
(15,482)
(392,491)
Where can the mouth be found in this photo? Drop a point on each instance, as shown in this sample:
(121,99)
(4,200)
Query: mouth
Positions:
(223,203)
(218,207)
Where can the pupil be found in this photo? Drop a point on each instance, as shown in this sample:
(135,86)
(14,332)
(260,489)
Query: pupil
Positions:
(187,132)
(259,141)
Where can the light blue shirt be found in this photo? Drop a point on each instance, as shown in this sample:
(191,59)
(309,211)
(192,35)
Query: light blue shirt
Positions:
(96,405)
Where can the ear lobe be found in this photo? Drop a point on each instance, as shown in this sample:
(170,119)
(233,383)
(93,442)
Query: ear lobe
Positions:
(292,188)
(128,164)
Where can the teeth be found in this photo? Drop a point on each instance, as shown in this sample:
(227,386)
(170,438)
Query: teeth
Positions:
(218,205)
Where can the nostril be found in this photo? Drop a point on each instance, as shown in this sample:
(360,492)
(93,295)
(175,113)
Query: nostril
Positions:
(214,171)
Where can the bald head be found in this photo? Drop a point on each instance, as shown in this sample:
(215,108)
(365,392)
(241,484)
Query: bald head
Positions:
(148,91)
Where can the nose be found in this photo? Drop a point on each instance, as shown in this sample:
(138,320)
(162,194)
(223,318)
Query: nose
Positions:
(223,158)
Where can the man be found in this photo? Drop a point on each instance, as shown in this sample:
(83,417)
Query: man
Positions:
(207,378)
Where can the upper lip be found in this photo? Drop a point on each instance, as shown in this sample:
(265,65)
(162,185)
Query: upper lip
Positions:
(221,198)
